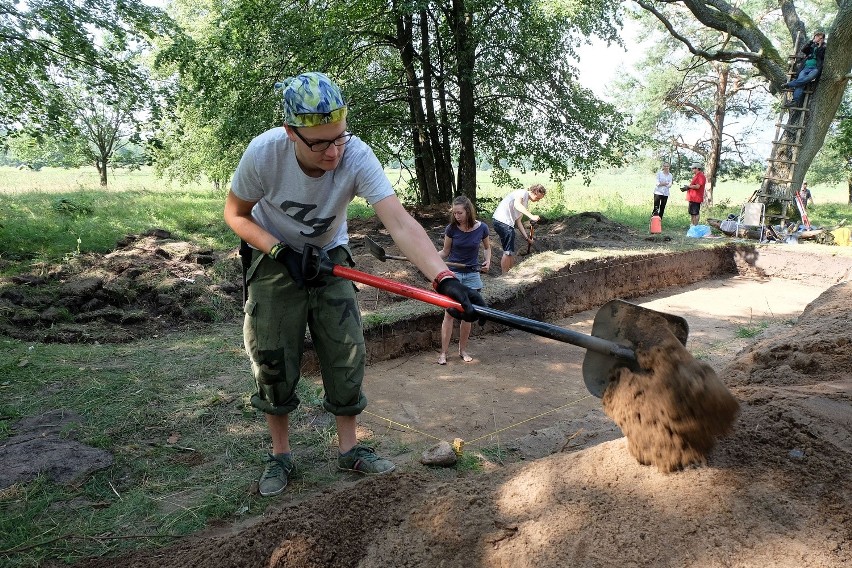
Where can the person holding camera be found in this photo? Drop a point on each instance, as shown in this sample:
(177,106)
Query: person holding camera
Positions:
(695,191)
(814,53)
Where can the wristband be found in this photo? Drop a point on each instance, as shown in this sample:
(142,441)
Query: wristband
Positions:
(443,275)
(276,248)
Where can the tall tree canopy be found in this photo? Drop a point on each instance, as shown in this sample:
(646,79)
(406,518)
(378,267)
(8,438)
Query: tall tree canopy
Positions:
(765,43)
(439,84)
(42,40)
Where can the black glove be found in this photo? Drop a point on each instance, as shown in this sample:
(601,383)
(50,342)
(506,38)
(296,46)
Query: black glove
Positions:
(292,261)
(465,296)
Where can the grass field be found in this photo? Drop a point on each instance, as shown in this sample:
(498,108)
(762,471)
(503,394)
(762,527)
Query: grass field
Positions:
(52,213)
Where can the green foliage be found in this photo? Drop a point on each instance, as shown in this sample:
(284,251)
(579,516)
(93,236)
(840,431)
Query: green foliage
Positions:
(529,112)
(751,330)
(38,39)
(47,226)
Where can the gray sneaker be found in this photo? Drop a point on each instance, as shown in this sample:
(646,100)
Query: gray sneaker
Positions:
(364,460)
(274,479)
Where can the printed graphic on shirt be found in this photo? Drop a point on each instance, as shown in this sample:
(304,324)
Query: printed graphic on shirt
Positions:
(299,212)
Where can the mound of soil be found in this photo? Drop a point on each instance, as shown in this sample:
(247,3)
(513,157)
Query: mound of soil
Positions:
(150,284)
(777,492)
(153,283)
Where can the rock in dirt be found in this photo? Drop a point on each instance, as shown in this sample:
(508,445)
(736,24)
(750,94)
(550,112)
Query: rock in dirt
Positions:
(39,447)
(440,454)
(672,414)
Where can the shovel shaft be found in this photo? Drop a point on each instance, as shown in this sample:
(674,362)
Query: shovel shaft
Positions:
(524,324)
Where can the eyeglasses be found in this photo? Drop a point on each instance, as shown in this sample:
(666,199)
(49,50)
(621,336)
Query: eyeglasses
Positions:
(322,145)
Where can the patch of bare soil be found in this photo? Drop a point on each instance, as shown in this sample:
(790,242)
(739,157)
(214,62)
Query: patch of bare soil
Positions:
(149,285)
(775,492)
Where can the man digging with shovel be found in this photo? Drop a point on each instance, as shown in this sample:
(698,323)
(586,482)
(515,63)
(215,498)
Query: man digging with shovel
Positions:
(291,189)
(509,214)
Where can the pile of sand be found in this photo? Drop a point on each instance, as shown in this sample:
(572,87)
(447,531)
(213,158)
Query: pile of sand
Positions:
(673,413)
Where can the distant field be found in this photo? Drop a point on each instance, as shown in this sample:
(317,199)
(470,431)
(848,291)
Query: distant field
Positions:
(628,185)
(51,180)
(52,213)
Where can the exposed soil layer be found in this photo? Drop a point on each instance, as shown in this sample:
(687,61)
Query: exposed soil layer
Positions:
(775,492)
(153,283)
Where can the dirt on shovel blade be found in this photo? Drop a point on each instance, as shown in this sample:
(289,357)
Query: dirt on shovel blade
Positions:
(672,414)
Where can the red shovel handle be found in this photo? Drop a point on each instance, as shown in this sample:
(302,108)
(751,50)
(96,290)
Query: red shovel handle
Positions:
(399,288)
(316,262)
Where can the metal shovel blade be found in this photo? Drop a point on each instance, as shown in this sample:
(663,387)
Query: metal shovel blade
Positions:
(377,251)
(633,327)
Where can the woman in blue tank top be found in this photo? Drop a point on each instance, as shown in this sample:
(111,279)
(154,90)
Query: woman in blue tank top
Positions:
(462,239)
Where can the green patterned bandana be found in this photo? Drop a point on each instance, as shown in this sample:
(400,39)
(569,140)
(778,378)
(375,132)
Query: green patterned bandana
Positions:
(311,99)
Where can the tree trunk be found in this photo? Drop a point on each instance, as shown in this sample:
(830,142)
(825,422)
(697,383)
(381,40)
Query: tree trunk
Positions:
(720,107)
(443,173)
(422,147)
(462,23)
(101,165)
(827,96)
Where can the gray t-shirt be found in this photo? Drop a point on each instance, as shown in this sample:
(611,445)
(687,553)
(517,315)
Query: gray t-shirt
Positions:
(506,212)
(297,208)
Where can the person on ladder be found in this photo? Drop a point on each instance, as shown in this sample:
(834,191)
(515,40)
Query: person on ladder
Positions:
(814,53)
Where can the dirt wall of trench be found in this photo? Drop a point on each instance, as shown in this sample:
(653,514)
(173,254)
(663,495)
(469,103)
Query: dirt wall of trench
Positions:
(577,287)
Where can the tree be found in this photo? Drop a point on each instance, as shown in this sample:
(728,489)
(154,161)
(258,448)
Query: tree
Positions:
(435,84)
(684,104)
(40,38)
(754,41)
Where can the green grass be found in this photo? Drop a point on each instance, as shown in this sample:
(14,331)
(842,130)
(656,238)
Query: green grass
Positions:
(48,215)
(175,414)
(751,330)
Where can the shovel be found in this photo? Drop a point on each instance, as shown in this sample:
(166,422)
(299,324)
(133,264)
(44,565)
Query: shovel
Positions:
(532,232)
(377,251)
(619,327)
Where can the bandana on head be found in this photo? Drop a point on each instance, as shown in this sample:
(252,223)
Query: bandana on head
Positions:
(311,99)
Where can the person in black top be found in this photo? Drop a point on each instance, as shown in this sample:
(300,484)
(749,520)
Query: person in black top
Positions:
(814,53)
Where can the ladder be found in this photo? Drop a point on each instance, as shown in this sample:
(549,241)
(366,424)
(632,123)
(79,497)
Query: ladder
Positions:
(783,161)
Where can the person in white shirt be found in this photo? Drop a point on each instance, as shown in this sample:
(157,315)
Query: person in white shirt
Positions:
(661,191)
(291,189)
(509,214)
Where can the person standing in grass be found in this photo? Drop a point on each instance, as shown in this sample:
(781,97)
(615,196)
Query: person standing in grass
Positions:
(509,214)
(695,192)
(805,195)
(661,191)
(462,239)
(292,188)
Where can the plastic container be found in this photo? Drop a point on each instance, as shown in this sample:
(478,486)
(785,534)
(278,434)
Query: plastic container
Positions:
(842,236)
(656,225)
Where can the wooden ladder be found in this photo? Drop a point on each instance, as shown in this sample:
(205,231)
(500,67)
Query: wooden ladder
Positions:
(777,185)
